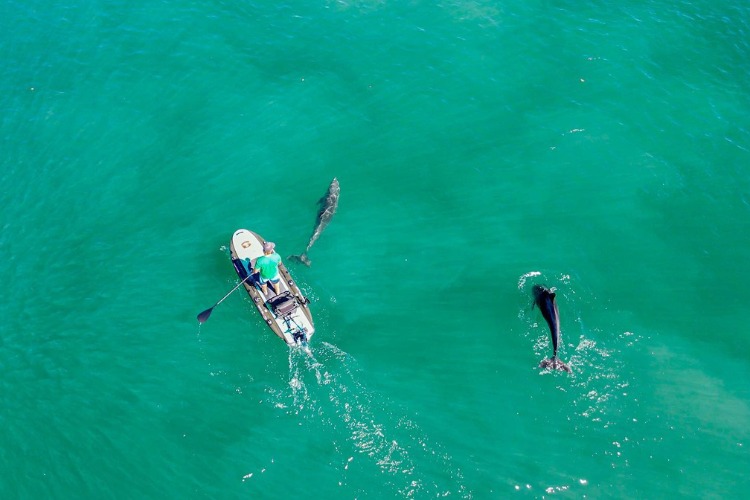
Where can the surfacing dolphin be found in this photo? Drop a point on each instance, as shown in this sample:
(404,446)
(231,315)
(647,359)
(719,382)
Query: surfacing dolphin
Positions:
(329,204)
(544,298)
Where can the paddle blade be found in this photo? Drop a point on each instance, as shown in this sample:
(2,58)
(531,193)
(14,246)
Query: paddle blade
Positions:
(202,317)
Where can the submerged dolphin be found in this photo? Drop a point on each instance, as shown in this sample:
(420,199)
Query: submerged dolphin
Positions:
(329,204)
(544,298)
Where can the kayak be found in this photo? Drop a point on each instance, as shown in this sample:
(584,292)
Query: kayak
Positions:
(286,313)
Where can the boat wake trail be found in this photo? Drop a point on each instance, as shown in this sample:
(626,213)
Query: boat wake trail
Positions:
(372,436)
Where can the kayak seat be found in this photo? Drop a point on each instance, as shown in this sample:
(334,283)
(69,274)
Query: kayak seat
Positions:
(282,304)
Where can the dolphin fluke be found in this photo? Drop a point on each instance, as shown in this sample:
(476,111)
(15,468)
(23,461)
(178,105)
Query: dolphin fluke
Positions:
(554,364)
(301,258)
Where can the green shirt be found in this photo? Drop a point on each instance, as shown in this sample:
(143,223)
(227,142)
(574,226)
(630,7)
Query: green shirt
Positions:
(268,265)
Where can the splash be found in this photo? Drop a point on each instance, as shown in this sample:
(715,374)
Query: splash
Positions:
(600,381)
(522,280)
(597,368)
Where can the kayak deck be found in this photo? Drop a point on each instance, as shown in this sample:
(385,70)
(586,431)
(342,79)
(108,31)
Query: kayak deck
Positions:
(286,313)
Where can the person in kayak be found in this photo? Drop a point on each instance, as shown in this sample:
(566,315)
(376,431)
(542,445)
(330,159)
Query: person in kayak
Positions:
(268,267)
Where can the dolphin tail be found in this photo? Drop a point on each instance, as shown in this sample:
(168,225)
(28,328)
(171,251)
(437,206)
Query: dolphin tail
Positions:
(554,364)
(301,258)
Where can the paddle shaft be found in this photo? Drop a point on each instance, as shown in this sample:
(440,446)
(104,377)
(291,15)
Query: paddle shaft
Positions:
(232,290)
(205,314)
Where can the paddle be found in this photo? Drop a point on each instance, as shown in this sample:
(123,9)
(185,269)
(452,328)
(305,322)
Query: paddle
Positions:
(202,317)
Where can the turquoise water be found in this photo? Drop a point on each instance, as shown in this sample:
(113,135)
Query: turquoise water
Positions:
(481,147)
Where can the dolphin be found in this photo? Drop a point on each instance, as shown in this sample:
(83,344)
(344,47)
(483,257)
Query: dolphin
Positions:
(544,298)
(329,204)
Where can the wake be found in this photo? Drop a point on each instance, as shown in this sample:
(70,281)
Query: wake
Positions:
(325,386)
